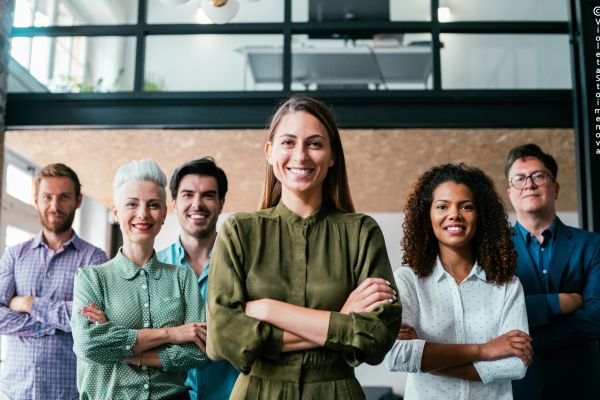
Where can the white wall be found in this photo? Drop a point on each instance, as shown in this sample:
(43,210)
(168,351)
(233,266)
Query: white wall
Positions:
(93,223)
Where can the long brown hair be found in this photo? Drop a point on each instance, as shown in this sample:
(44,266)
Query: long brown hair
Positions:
(336,192)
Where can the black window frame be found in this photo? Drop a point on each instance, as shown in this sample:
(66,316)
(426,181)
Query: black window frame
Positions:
(435,107)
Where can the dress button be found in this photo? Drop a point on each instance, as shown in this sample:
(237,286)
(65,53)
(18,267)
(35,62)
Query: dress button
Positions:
(145,386)
(144,286)
(146,305)
(544,271)
(128,347)
(146,324)
(144,367)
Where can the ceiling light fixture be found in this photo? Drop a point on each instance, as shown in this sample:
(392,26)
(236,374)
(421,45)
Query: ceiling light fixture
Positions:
(220,11)
(174,2)
(444,14)
(217,11)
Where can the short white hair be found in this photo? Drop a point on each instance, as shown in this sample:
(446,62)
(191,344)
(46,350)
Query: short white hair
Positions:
(141,171)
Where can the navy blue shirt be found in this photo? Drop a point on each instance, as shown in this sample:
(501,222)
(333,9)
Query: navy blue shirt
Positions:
(541,255)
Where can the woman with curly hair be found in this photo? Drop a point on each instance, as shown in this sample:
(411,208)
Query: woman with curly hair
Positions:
(464,320)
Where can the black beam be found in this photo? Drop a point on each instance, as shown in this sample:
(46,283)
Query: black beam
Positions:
(348,27)
(240,110)
(585,37)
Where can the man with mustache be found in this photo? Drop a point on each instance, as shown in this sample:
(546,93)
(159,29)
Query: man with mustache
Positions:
(198,191)
(559,267)
(36,293)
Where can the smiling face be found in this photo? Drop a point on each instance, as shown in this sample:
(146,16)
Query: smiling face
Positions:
(453,216)
(300,154)
(140,211)
(56,203)
(198,205)
(533,199)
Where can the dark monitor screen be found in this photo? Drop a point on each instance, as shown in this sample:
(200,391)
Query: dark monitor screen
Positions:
(348,10)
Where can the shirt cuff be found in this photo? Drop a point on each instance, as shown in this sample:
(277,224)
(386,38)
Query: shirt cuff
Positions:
(39,309)
(416,356)
(338,334)
(553,304)
(165,358)
(131,341)
(272,347)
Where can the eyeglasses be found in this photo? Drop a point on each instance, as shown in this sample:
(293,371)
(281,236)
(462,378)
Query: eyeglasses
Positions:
(538,178)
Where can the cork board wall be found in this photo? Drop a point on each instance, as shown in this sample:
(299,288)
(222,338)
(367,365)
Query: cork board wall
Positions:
(382,164)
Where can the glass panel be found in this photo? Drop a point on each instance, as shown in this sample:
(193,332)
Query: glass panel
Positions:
(74,12)
(379,62)
(505,61)
(505,10)
(191,12)
(15,236)
(360,10)
(211,62)
(73,64)
(19,183)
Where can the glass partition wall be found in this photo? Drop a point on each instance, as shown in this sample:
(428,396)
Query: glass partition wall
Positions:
(80,46)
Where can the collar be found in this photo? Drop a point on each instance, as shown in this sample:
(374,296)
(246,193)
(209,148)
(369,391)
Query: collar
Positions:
(548,233)
(439,272)
(179,251)
(75,240)
(129,270)
(290,216)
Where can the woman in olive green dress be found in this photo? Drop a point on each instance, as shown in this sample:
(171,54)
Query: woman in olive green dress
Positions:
(299,292)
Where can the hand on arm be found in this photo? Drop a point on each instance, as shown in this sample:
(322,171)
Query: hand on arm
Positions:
(439,356)
(407,332)
(371,293)
(94,314)
(569,302)
(21,303)
(150,338)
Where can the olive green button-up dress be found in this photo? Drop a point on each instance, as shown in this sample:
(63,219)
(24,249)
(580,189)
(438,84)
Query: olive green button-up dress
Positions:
(156,296)
(316,263)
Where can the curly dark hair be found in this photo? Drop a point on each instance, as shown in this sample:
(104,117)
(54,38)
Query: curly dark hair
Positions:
(492,244)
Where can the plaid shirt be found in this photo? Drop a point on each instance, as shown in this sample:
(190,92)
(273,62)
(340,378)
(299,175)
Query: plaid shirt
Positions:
(40,363)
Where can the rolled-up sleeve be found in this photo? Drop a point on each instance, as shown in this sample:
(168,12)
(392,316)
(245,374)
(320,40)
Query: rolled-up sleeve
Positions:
(13,322)
(181,357)
(101,343)
(514,316)
(367,337)
(231,334)
(406,355)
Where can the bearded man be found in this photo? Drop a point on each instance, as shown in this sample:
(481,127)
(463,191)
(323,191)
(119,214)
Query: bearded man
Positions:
(36,293)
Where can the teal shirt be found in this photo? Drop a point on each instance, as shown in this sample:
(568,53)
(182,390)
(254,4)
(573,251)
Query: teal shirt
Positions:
(215,379)
(156,296)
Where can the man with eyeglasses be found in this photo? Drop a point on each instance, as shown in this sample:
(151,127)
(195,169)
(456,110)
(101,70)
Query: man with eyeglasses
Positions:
(559,267)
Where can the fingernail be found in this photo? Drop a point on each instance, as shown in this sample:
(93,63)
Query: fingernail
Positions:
(395,296)
(388,282)
(390,300)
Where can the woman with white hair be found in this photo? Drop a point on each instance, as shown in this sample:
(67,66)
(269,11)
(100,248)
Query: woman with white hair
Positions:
(135,320)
